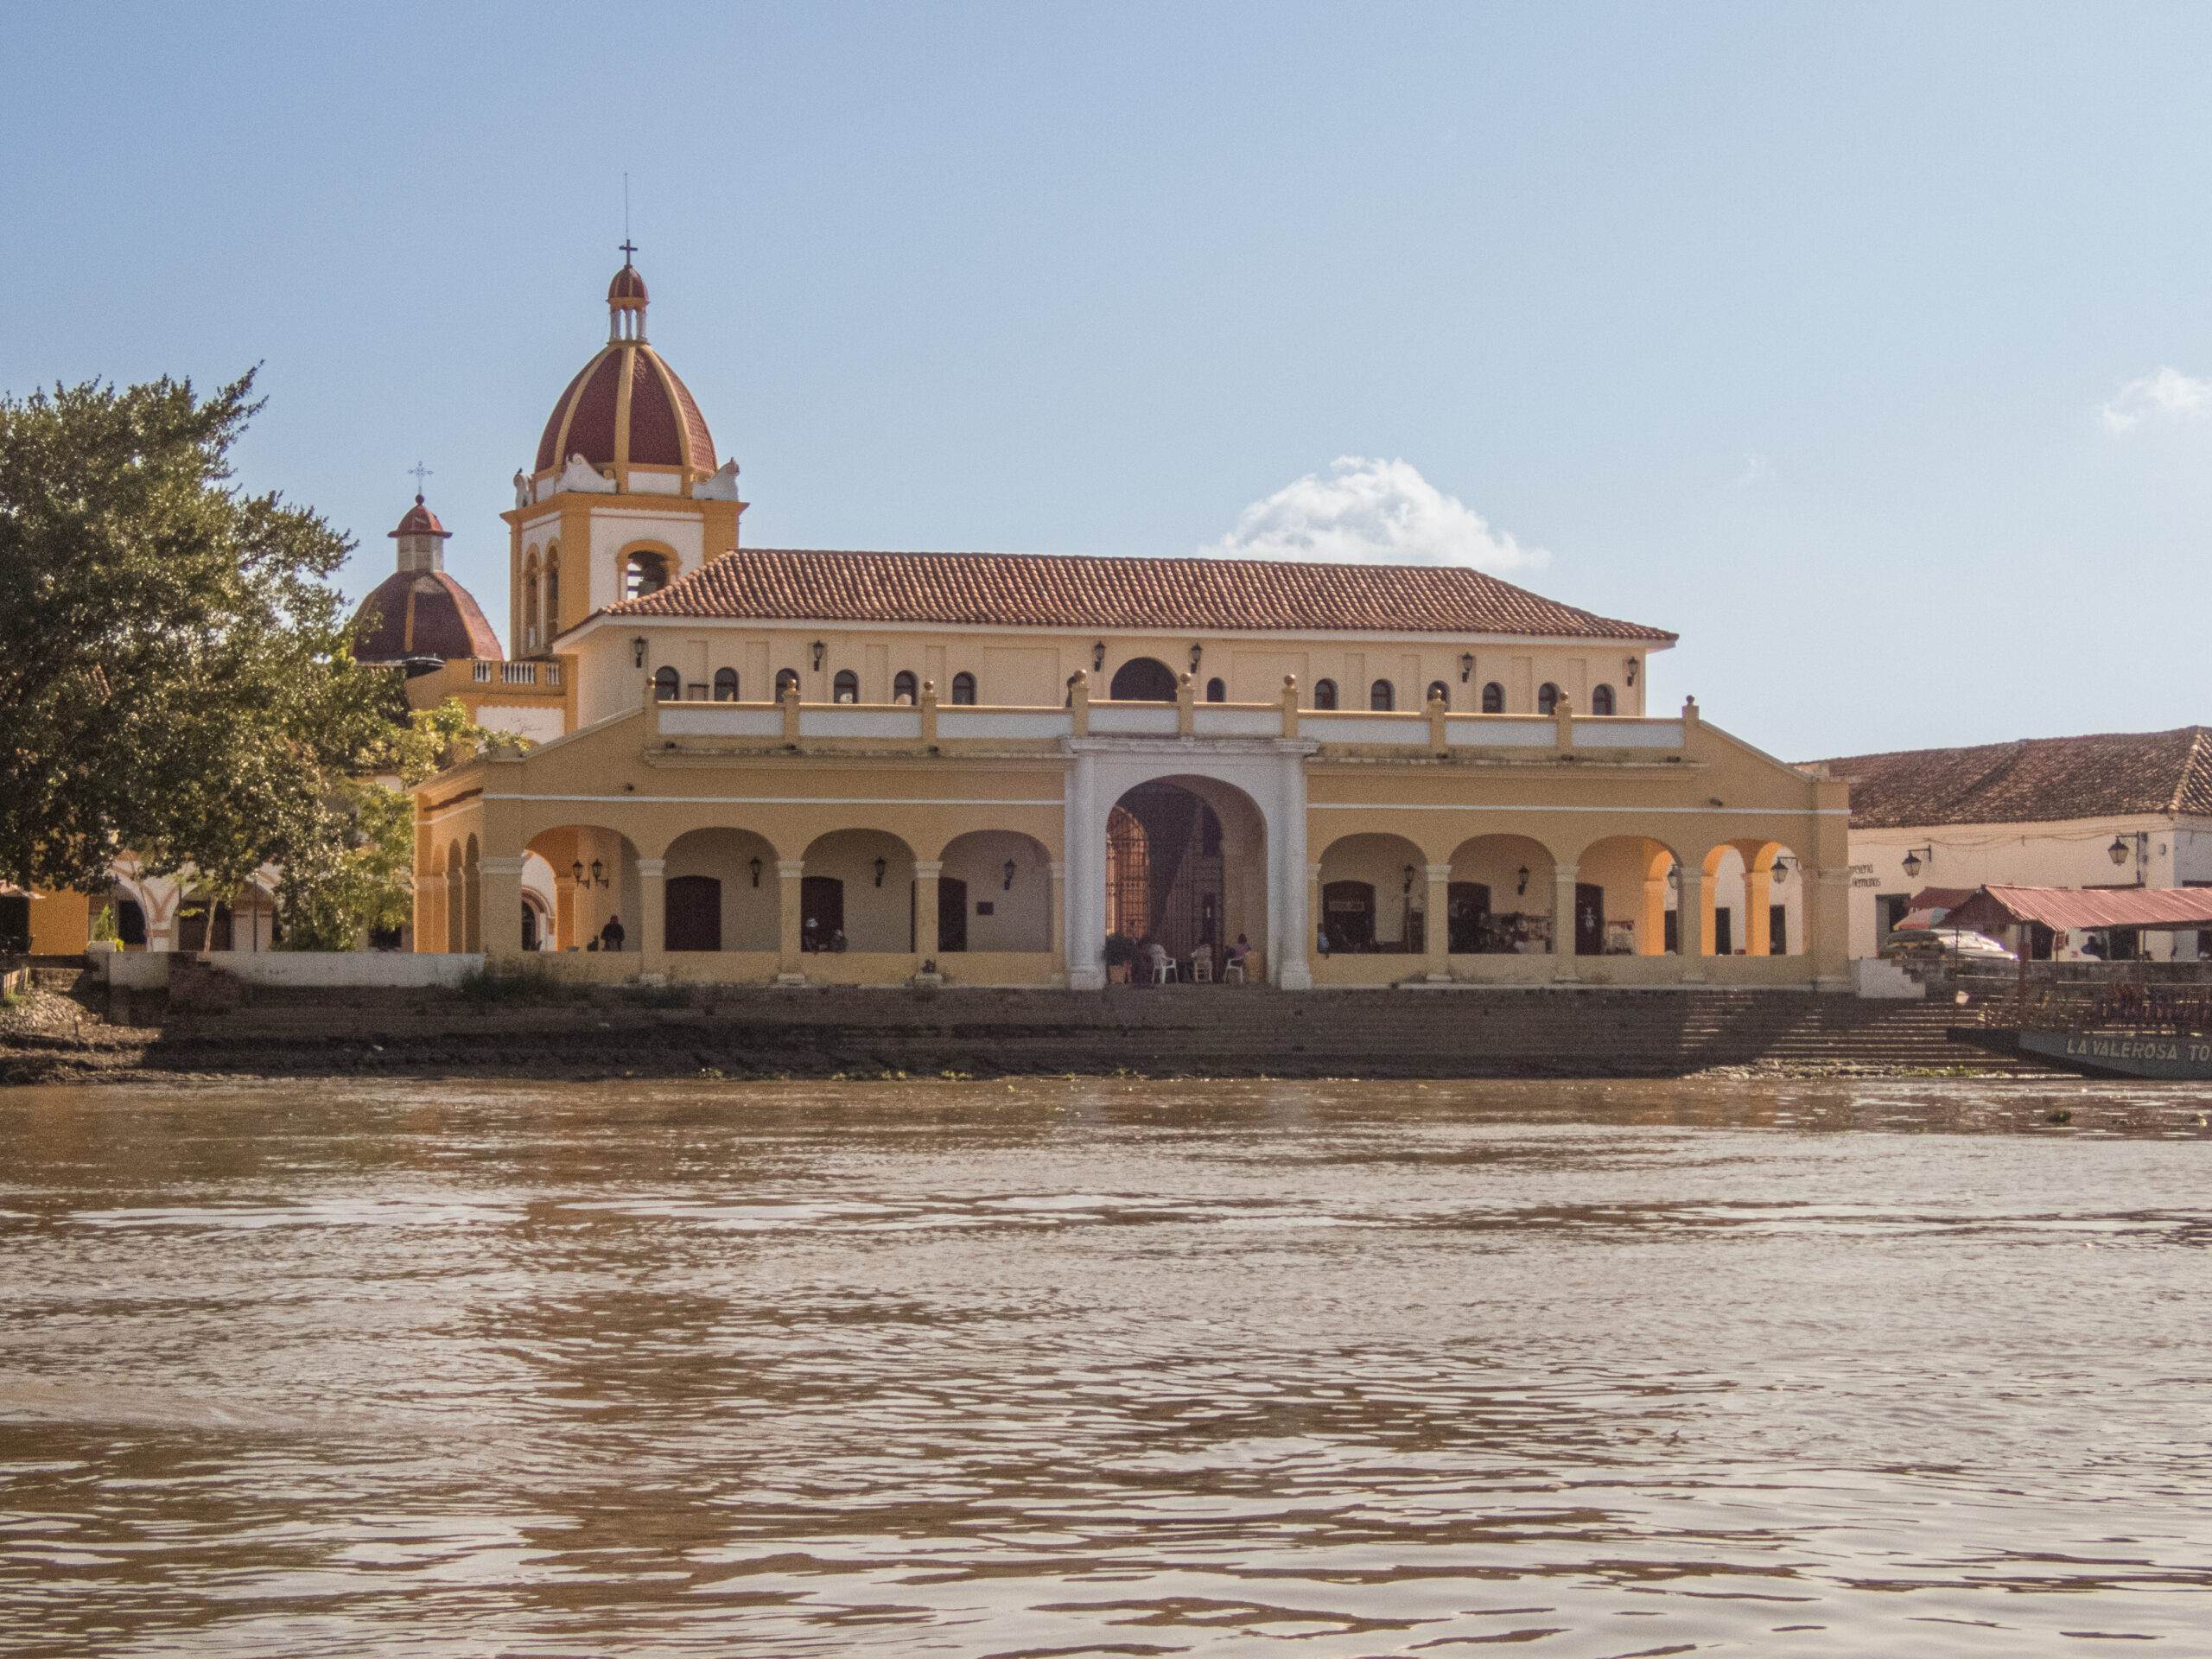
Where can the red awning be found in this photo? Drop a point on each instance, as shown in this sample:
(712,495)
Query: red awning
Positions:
(2072,907)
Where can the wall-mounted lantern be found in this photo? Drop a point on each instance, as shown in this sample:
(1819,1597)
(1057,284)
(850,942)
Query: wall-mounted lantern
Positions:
(1466,666)
(880,866)
(1197,652)
(1780,872)
(1632,670)
(1916,857)
(1008,886)
(638,651)
(1408,886)
(576,870)
(1521,880)
(818,649)
(1098,657)
(2119,851)
(754,865)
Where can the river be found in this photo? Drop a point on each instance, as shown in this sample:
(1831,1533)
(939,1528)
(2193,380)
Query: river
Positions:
(976,1369)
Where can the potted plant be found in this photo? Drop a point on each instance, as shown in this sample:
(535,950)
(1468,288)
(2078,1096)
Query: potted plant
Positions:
(103,937)
(1120,957)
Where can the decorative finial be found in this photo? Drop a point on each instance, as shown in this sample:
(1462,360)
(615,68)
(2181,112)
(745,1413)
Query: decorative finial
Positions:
(419,472)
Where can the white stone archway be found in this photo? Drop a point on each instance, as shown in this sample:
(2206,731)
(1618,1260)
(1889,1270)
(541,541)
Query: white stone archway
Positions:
(1270,773)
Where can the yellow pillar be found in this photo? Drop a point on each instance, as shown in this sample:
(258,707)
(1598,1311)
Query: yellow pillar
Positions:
(1440,921)
(925,917)
(1708,933)
(790,963)
(1757,887)
(1654,924)
(1563,917)
(1693,921)
(499,898)
(1827,892)
(652,925)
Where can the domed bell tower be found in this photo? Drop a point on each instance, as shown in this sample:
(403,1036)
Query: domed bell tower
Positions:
(626,495)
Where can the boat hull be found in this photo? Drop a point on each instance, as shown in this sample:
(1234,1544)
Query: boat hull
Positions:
(2123,1054)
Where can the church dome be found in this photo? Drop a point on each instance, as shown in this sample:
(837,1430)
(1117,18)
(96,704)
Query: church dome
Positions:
(420,613)
(626,407)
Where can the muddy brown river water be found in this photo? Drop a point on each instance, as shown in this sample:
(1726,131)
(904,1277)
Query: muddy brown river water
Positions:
(1079,1368)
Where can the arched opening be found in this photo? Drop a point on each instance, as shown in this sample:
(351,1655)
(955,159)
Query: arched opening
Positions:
(1601,700)
(1217,690)
(1325,694)
(1187,869)
(595,880)
(846,688)
(1511,875)
(1493,698)
(721,891)
(245,921)
(1382,697)
(1374,896)
(963,688)
(457,900)
(994,893)
(529,636)
(1440,692)
(1626,885)
(859,883)
(787,679)
(666,685)
(1547,698)
(1753,900)
(643,573)
(130,919)
(726,685)
(1143,680)
(552,591)
(904,686)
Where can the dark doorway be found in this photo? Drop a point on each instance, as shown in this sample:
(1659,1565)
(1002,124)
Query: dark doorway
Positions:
(693,913)
(1777,930)
(2040,939)
(16,923)
(1467,908)
(1348,912)
(951,914)
(196,931)
(1589,920)
(1142,679)
(1890,909)
(1165,874)
(821,910)
(529,927)
(1723,932)
(1671,939)
(130,922)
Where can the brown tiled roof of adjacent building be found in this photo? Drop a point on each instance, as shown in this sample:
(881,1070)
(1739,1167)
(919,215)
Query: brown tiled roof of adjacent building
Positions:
(2037,780)
(1036,590)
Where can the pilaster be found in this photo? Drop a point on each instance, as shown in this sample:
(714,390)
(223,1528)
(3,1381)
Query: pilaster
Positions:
(652,925)
(1439,922)
(1564,968)
(925,901)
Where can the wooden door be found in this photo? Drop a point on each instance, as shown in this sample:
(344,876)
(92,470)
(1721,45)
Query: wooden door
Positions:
(951,914)
(692,914)
(1466,907)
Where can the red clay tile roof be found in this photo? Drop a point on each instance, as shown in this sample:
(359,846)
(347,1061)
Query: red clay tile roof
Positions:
(420,521)
(2038,780)
(1035,590)
(422,614)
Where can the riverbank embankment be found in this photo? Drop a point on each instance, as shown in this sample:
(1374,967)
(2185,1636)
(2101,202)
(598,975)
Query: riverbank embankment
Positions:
(604,1032)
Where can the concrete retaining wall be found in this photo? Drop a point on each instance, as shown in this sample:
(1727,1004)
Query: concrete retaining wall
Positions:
(297,970)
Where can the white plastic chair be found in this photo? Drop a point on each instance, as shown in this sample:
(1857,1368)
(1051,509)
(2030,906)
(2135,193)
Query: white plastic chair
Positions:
(1202,965)
(1163,971)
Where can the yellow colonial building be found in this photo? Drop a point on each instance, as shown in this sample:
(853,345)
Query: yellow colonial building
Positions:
(824,767)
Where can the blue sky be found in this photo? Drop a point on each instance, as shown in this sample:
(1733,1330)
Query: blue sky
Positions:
(1828,337)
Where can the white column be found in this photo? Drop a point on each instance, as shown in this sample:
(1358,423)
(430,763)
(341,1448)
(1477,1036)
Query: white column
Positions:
(1563,965)
(1289,943)
(1085,854)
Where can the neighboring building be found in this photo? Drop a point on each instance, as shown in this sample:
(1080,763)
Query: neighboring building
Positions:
(995,760)
(2124,808)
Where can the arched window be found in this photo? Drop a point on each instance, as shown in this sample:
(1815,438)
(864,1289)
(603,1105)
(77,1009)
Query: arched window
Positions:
(1440,692)
(1547,698)
(1493,698)
(785,679)
(530,605)
(724,685)
(1379,697)
(552,591)
(1601,701)
(904,688)
(1142,679)
(1325,694)
(1217,691)
(963,688)
(665,685)
(848,687)
(643,573)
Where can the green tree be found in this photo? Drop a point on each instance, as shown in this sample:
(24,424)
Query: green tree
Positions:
(355,877)
(175,676)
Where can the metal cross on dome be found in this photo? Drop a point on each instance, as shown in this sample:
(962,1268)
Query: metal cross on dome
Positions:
(419,472)
(628,248)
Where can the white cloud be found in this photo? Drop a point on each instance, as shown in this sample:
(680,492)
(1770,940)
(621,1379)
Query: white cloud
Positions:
(1365,511)
(2169,394)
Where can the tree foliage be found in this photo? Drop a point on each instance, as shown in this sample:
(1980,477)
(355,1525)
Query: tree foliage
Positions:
(175,676)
